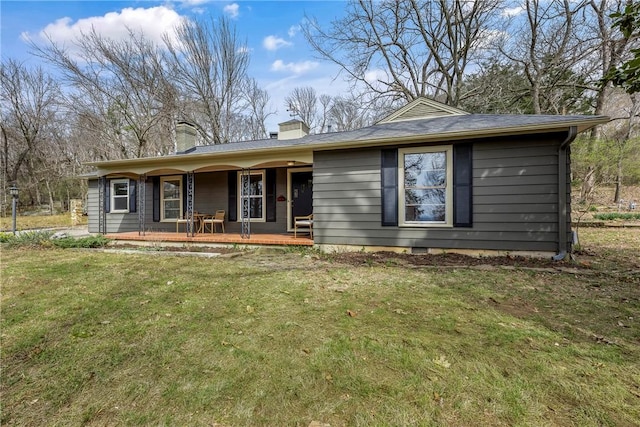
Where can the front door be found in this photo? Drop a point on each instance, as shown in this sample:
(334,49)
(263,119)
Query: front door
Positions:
(301,194)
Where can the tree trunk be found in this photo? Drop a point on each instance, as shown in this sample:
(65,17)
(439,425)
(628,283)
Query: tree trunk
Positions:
(46,181)
(588,185)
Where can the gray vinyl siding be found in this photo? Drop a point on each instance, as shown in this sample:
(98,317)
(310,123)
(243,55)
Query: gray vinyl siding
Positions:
(92,206)
(116,222)
(210,194)
(515,200)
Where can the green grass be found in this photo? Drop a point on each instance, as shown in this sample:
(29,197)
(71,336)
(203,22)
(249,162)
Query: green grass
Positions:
(617,215)
(286,339)
(39,239)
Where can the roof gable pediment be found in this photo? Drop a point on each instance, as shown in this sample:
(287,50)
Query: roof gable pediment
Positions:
(421,108)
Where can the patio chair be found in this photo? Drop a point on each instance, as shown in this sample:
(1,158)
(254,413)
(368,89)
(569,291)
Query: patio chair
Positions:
(218,218)
(303,222)
(185,220)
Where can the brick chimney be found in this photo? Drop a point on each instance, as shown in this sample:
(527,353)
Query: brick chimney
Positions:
(185,137)
(292,129)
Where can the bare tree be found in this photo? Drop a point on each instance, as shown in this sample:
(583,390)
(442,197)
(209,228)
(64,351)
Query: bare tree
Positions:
(258,111)
(547,44)
(209,64)
(119,84)
(347,114)
(303,103)
(28,106)
(611,48)
(407,48)
(326,102)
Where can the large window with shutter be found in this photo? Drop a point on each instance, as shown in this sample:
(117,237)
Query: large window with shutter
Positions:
(119,195)
(425,190)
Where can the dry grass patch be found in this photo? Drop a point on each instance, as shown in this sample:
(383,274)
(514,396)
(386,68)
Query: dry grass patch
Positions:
(29,222)
(103,339)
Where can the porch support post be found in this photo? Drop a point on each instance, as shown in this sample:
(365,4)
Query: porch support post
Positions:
(245,211)
(141,194)
(102,217)
(190,190)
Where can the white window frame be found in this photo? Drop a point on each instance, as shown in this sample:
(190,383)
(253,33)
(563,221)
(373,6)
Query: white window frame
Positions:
(163,179)
(114,196)
(264,199)
(448,222)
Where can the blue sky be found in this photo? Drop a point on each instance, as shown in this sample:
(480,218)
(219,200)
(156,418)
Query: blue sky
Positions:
(280,57)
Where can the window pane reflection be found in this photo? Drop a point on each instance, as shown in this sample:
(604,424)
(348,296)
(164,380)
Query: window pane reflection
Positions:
(425,182)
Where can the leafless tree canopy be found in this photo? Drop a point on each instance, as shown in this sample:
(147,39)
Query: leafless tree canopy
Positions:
(406,49)
(302,104)
(28,106)
(209,64)
(118,86)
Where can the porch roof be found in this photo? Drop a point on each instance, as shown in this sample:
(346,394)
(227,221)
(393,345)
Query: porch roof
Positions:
(273,151)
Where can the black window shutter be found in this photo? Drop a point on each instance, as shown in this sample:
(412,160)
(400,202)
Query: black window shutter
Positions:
(270,185)
(132,195)
(462,185)
(389,182)
(107,195)
(233,197)
(156,198)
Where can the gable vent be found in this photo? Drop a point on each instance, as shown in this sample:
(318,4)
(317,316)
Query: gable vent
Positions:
(422,108)
(422,111)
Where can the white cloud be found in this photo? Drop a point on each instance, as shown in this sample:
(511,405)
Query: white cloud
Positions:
(512,11)
(293,30)
(233,10)
(294,67)
(194,2)
(489,38)
(152,22)
(372,76)
(275,43)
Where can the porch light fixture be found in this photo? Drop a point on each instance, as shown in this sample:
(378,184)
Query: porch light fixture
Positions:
(291,163)
(15,192)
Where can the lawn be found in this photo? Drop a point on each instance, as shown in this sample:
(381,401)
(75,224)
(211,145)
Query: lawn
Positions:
(28,222)
(288,338)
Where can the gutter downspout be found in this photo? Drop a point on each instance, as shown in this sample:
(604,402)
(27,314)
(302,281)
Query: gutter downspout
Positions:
(562,194)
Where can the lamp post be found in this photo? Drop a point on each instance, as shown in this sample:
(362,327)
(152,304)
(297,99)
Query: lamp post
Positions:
(13,190)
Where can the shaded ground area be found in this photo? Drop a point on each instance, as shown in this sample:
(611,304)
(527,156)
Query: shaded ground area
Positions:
(441,260)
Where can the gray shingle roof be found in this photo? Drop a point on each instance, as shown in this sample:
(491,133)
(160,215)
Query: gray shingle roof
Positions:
(453,127)
(438,126)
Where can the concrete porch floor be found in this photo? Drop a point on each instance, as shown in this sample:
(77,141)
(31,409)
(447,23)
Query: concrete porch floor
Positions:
(208,238)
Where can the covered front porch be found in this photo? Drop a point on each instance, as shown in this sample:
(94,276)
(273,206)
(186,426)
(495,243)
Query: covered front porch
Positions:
(158,237)
(256,192)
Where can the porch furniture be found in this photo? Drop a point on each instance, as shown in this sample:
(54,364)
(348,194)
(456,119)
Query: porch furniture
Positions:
(218,218)
(303,222)
(185,220)
(198,221)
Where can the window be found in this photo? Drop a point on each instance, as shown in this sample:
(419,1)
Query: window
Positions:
(171,197)
(255,195)
(425,186)
(119,195)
